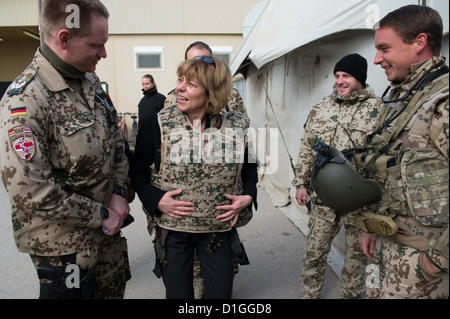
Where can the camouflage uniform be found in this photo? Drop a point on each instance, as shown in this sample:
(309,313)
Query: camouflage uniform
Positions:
(62,156)
(344,122)
(416,191)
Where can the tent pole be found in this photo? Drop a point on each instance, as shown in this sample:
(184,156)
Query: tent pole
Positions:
(260,77)
(41,36)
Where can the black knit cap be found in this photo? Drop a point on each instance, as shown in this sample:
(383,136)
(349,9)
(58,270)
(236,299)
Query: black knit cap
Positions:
(355,65)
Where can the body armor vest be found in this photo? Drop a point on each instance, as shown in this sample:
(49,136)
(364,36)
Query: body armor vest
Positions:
(206,165)
(414,172)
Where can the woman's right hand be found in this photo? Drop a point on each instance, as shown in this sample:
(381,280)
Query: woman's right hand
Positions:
(175,208)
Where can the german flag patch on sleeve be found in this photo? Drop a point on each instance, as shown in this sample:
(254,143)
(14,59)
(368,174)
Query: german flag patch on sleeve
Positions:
(19,111)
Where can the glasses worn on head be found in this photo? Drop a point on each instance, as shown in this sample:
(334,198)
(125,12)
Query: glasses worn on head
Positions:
(206,59)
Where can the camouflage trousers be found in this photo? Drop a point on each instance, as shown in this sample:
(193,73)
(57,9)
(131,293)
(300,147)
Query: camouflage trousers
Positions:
(395,274)
(318,244)
(110,263)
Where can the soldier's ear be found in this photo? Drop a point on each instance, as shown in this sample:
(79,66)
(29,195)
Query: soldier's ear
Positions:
(64,37)
(421,42)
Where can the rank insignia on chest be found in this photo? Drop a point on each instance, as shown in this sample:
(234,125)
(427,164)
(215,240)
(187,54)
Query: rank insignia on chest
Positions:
(111,112)
(22,142)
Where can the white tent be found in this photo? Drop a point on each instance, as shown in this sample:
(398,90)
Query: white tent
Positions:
(287,58)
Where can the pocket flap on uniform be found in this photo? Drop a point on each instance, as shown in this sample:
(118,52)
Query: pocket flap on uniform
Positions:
(75,123)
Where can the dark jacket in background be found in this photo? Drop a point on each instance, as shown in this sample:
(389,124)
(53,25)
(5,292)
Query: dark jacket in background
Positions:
(151,103)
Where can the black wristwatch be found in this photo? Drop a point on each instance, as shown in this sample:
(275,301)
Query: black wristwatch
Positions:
(104,213)
(121,191)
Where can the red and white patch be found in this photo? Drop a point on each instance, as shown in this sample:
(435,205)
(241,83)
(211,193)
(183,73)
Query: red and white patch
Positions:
(22,142)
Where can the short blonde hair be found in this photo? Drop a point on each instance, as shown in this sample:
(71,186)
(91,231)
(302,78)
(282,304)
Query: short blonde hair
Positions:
(215,77)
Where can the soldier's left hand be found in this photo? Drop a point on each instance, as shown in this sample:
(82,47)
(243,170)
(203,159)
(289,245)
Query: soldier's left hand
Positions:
(119,204)
(238,204)
(113,223)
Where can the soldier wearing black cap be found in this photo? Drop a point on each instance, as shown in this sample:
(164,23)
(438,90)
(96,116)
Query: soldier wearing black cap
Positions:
(343,119)
(355,65)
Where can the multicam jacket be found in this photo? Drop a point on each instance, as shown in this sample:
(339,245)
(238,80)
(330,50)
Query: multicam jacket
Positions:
(416,189)
(340,121)
(60,159)
(206,165)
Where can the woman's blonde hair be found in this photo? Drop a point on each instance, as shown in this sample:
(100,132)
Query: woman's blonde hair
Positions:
(213,75)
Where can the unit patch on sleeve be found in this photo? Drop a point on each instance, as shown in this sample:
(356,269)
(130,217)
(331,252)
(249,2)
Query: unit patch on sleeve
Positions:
(21,81)
(22,142)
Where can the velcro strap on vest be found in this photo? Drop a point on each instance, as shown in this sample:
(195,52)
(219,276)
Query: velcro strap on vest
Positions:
(441,244)
(381,165)
(410,240)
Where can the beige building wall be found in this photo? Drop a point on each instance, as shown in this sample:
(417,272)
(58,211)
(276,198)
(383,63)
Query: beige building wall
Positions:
(15,56)
(178,16)
(168,24)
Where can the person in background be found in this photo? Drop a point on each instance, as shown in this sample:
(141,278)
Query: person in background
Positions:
(343,119)
(152,102)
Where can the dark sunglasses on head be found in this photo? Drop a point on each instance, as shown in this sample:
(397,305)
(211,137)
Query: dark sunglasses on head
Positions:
(206,59)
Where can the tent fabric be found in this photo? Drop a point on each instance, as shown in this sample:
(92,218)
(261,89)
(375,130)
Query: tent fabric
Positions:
(286,25)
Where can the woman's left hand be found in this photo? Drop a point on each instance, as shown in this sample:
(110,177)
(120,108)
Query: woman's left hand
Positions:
(238,204)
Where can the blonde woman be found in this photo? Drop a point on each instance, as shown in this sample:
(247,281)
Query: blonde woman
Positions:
(201,185)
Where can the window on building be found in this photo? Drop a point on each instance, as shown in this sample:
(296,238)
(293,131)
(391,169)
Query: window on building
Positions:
(148,58)
(223,53)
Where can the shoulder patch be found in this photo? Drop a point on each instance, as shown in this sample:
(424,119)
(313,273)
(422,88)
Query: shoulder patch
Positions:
(22,142)
(21,81)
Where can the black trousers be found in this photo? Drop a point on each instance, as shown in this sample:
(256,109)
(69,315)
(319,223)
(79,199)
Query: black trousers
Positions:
(216,261)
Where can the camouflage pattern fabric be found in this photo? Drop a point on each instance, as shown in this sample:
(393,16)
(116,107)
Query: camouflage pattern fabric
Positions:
(79,158)
(416,189)
(332,121)
(235,104)
(61,157)
(397,275)
(206,166)
(318,244)
(344,122)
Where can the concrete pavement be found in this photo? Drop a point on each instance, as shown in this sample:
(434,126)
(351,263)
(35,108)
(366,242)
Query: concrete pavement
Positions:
(273,243)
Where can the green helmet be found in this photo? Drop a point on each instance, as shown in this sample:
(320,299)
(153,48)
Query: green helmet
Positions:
(338,184)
